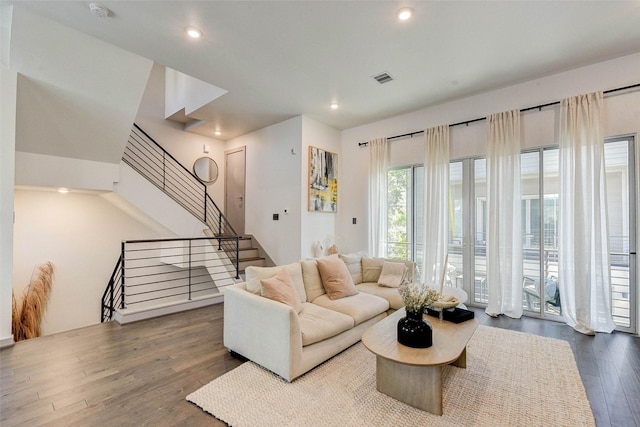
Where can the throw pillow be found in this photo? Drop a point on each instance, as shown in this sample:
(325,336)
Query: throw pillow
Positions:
(280,288)
(336,278)
(254,274)
(354,264)
(371,269)
(312,280)
(392,274)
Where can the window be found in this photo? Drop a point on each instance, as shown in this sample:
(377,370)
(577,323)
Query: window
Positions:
(540,181)
(405,213)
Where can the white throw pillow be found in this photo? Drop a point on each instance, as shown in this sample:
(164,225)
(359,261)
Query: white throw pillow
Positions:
(392,275)
(354,264)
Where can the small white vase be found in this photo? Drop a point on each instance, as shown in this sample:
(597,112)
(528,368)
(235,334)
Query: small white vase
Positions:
(318,249)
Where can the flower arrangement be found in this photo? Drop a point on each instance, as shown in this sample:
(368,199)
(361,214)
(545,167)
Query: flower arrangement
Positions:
(417,297)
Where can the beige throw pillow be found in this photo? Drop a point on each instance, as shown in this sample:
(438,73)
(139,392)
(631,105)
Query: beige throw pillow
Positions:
(354,265)
(255,274)
(392,274)
(336,278)
(371,269)
(280,288)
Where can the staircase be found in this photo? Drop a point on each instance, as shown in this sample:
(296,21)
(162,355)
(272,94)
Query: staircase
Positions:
(249,253)
(159,276)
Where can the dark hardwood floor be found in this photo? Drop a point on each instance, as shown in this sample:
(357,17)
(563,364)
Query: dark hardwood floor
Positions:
(139,374)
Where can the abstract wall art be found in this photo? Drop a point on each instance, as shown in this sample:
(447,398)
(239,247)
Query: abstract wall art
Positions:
(323,180)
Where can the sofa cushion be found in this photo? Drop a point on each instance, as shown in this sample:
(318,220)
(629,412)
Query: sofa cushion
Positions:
(255,274)
(361,307)
(280,288)
(390,294)
(336,279)
(392,274)
(318,323)
(371,269)
(354,265)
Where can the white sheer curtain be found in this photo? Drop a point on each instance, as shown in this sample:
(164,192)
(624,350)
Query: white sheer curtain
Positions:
(436,206)
(504,229)
(584,269)
(378,163)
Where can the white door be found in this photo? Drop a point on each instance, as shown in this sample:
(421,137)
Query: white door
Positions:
(234,201)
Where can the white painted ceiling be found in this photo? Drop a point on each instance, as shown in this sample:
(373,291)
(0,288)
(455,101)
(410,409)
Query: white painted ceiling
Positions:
(280,59)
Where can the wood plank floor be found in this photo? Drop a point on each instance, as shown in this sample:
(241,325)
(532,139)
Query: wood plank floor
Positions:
(139,374)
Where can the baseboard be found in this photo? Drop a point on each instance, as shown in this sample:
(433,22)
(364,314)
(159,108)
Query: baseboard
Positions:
(129,316)
(7,342)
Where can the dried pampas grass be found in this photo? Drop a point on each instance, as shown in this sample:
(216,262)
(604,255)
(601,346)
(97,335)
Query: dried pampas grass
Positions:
(16,330)
(34,302)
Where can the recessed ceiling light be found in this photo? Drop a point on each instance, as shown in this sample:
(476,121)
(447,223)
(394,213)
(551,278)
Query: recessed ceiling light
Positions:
(63,190)
(193,32)
(404,13)
(334,105)
(217,133)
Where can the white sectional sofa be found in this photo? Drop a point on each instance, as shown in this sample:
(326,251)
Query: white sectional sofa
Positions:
(289,342)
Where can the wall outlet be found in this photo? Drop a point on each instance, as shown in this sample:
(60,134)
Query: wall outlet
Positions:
(276,217)
(353,220)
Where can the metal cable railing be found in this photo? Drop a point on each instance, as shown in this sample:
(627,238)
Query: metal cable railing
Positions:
(112,296)
(159,271)
(159,167)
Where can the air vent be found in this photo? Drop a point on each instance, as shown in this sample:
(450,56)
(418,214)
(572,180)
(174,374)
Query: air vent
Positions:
(383,78)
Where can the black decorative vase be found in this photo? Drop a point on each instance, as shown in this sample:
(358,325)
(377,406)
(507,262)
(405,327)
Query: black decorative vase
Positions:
(415,331)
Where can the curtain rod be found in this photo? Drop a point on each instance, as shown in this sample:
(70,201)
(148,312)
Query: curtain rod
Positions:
(466,122)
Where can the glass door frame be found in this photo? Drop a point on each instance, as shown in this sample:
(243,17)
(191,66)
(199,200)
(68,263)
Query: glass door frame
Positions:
(632,178)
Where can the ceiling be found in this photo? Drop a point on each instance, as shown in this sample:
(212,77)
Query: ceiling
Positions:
(280,59)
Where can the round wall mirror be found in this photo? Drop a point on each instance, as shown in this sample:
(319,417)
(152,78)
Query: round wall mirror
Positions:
(206,169)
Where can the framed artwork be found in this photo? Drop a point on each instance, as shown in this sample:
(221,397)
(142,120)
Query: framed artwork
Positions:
(323,180)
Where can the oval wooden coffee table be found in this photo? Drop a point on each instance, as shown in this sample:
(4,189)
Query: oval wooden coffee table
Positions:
(414,375)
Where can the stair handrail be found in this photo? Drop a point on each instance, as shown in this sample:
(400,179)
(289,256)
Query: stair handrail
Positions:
(113,294)
(198,181)
(145,155)
(143,262)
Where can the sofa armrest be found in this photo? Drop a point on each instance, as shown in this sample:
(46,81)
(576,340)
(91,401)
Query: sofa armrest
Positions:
(266,332)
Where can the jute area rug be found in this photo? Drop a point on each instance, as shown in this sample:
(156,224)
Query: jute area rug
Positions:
(511,379)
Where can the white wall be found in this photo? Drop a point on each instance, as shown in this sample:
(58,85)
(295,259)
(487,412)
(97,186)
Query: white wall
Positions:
(318,226)
(622,117)
(274,182)
(183,92)
(539,127)
(153,206)
(6,13)
(184,146)
(77,95)
(54,171)
(8,89)
(80,233)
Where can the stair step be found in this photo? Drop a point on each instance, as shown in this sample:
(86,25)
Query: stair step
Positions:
(245,243)
(248,253)
(257,262)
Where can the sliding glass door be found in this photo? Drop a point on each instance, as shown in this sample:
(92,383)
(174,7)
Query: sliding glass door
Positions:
(457,215)
(468,218)
(621,196)
(540,181)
